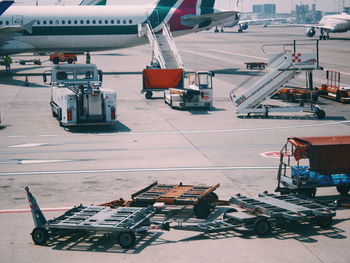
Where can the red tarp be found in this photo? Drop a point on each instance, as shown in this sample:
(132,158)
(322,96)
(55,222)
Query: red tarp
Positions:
(162,78)
(327,155)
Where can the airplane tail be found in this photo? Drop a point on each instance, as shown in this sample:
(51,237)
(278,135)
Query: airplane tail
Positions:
(4,5)
(93,2)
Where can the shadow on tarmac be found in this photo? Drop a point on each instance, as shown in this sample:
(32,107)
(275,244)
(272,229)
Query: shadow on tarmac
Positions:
(117,128)
(238,71)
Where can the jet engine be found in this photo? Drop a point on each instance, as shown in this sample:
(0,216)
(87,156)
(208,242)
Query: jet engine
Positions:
(310,32)
(244,26)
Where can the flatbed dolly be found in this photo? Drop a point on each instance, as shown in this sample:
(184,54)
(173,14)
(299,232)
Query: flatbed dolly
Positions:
(202,198)
(123,221)
(257,215)
(256,65)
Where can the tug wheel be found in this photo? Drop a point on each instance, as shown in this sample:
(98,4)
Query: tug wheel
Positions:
(126,239)
(324,221)
(148,95)
(343,189)
(320,114)
(40,235)
(261,226)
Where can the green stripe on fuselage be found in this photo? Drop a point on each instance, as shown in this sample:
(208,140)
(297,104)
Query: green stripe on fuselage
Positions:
(82,30)
(159,13)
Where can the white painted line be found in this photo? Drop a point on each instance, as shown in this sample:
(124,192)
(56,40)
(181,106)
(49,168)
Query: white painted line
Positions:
(16,136)
(9,211)
(48,135)
(42,161)
(165,169)
(26,145)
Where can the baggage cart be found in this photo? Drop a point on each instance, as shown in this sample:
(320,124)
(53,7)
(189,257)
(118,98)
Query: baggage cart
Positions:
(202,198)
(307,163)
(125,222)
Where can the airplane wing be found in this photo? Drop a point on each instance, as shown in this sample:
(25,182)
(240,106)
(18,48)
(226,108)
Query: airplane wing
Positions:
(328,27)
(193,20)
(93,2)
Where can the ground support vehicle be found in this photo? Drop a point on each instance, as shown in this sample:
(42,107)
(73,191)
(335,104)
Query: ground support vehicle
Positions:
(296,94)
(158,80)
(307,163)
(333,89)
(202,198)
(249,215)
(256,65)
(291,59)
(78,98)
(56,58)
(125,222)
(198,92)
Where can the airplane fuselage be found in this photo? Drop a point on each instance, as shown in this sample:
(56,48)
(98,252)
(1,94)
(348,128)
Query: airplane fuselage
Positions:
(90,28)
(340,22)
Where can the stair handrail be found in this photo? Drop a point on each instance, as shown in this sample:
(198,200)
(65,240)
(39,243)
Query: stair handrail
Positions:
(171,42)
(157,52)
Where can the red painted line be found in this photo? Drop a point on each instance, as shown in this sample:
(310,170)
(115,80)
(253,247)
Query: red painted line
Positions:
(11,211)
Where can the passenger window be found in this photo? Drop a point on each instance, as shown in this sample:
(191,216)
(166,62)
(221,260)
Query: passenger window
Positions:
(51,22)
(100,21)
(87,21)
(69,22)
(118,21)
(44,22)
(94,21)
(130,21)
(38,22)
(106,21)
(75,22)
(81,21)
(124,21)
(7,22)
(112,21)
(0,22)
(63,22)
(57,22)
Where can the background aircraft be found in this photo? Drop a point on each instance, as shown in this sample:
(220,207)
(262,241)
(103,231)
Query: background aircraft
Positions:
(330,24)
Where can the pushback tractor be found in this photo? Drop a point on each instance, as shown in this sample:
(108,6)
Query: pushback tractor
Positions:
(78,98)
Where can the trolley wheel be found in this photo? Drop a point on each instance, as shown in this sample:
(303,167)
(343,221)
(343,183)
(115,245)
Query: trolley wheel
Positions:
(343,189)
(262,226)
(55,60)
(40,235)
(126,239)
(320,114)
(308,192)
(148,95)
(202,209)
(324,221)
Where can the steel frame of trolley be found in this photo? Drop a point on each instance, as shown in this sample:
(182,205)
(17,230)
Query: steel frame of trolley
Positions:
(123,221)
(249,215)
(202,198)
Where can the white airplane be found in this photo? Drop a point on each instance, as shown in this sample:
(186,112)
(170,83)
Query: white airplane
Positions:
(86,28)
(330,24)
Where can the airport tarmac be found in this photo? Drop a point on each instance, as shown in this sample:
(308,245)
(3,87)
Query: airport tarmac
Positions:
(152,142)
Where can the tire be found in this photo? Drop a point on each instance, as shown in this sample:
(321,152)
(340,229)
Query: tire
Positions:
(343,189)
(148,95)
(308,192)
(324,221)
(126,239)
(70,61)
(320,114)
(40,235)
(202,209)
(212,197)
(55,60)
(262,226)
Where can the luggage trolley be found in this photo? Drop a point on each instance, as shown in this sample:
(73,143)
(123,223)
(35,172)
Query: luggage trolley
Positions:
(307,163)
(201,197)
(124,221)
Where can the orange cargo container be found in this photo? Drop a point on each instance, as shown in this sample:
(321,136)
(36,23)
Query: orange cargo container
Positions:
(160,80)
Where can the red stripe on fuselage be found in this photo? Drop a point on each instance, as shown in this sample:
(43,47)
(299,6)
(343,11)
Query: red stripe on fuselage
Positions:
(187,7)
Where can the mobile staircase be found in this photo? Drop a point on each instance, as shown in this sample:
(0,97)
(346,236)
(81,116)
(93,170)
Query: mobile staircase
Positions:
(165,54)
(282,67)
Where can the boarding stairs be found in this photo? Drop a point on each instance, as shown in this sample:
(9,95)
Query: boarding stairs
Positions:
(250,97)
(164,50)
(279,73)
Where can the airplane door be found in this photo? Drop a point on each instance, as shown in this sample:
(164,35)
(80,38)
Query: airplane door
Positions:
(153,17)
(17,20)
